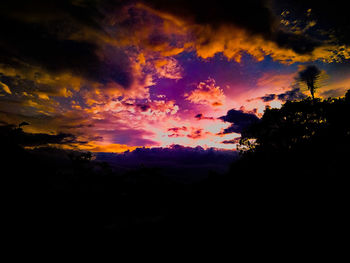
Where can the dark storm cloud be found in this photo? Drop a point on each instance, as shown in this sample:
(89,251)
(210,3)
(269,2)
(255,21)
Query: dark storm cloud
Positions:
(301,44)
(255,16)
(239,119)
(18,136)
(294,94)
(331,16)
(39,33)
(268,97)
(21,85)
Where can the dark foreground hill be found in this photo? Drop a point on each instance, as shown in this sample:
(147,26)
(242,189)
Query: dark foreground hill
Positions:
(291,183)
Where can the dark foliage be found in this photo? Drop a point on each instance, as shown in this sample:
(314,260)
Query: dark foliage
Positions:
(317,126)
(293,173)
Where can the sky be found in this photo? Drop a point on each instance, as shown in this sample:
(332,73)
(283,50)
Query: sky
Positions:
(117,75)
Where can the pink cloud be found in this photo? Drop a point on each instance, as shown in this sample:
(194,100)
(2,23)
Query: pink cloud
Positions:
(197,133)
(207,93)
(200,116)
(177,131)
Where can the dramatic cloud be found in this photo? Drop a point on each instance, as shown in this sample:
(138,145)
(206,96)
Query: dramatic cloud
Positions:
(239,120)
(13,134)
(290,95)
(207,93)
(332,18)
(117,75)
(294,94)
(249,27)
(54,39)
(268,97)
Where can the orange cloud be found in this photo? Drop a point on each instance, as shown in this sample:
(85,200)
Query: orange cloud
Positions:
(207,93)
(275,81)
(110,147)
(230,40)
(233,42)
(46,84)
(168,68)
(5,88)
(334,88)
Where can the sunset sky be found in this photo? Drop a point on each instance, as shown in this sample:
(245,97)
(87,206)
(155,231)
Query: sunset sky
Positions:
(118,75)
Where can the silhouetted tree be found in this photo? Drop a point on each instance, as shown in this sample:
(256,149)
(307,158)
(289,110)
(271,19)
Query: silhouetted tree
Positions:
(301,134)
(347,96)
(309,76)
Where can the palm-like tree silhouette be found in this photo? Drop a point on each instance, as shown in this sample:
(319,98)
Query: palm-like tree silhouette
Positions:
(310,75)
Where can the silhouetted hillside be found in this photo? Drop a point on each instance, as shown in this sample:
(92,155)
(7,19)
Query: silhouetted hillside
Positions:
(290,181)
(182,164)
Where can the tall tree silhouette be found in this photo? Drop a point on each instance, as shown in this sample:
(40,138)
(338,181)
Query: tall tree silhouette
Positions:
(309,76)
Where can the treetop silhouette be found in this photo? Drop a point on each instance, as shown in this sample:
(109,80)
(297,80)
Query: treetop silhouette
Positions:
(309,76)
